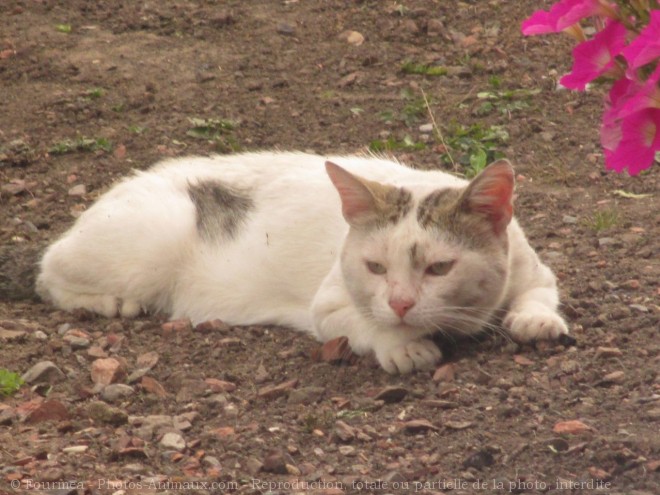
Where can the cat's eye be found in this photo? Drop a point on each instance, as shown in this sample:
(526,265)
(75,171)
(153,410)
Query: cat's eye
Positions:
(376,268)
(440,268)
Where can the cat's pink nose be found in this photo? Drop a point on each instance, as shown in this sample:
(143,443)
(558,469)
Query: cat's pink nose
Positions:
(401,306)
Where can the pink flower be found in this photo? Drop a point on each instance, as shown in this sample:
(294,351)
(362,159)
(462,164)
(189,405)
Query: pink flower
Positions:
(640,139)
(646,95)
(646,47)
(594,57)
(562,15)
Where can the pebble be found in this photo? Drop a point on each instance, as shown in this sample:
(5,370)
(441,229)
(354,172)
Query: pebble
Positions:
(608,352)
(173,441)
(39,335)
(614,377)
(43,372)
(286,29)
(572,427)
(275,391)
(306,395)
(391,395)
(103,413)
(147,360)
(444,373)
(426,128)
(116,392)
(50,410)
(347,450)
(216,385)
(344,432)
(107,370)
(639,307)
(419,425)
(569,219)
(77,190)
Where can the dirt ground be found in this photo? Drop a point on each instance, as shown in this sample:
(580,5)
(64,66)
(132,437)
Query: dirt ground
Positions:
(91,90)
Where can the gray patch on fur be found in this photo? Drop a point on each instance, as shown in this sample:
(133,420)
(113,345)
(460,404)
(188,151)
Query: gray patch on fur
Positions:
(220,209)
(398,202)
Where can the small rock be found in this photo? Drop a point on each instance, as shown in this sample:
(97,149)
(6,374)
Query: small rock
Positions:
(344,432)
(426,128)
(50,410)
(116,392)
(173,441)
(306,395)
(631,284)
(444,373)
(569,219)
(43,372)
(286,29)
(176,326)
(479,460)
(153,386)
(572,427)
(355,38)
(75,449)
(77,190)
(77,342)
(253,465)
(39,335)
(522,360)
(103,413)
(608,352)
(335,351)
(12,335)
(639,307)
(96,352)
(612,378)
(212,326)
(390,395)
(147,360)
(277,462)
(223,432)
(220,385)
(419,425)
(435,27)
(653,414)
(107,370)
(347,450)
(458,425)
(275,391)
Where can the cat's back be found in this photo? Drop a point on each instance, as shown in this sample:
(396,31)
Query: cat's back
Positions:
(287,171)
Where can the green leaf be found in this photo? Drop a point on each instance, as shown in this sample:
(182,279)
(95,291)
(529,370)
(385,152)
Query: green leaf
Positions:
(629,195)
(10,382)
(63,28)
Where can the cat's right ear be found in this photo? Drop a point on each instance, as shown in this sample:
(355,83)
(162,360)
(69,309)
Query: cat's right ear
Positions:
(358,203)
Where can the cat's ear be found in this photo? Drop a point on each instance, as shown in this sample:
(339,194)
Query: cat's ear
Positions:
(490,194)
(359,200)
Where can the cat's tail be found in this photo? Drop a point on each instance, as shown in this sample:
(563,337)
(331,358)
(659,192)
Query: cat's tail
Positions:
(19,265)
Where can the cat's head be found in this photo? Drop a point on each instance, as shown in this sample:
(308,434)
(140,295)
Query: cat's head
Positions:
(425,262)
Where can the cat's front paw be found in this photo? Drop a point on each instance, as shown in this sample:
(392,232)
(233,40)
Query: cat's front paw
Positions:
(527,326)
(416,355)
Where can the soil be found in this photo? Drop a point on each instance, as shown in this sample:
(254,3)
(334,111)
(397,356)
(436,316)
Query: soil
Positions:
(93,90)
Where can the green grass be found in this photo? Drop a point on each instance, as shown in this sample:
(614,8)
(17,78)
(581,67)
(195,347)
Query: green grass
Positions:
(603,220)
(80,144)
(10,382)
(410,67)
(95,93)
(216,131)
(504,101)
(63,28)
(473,147)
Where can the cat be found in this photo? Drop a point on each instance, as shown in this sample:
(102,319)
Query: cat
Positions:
(356,246)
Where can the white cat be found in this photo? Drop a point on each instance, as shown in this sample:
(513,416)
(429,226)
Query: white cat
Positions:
(361,247)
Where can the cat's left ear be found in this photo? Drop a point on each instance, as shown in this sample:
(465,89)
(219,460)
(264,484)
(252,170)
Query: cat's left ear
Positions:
(491,194)
(360,198)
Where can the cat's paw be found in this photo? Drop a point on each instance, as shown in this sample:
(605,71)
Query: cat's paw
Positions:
(416,355)
(527,326)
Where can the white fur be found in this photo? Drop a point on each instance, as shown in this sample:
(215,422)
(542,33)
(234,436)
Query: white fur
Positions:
(293,262)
